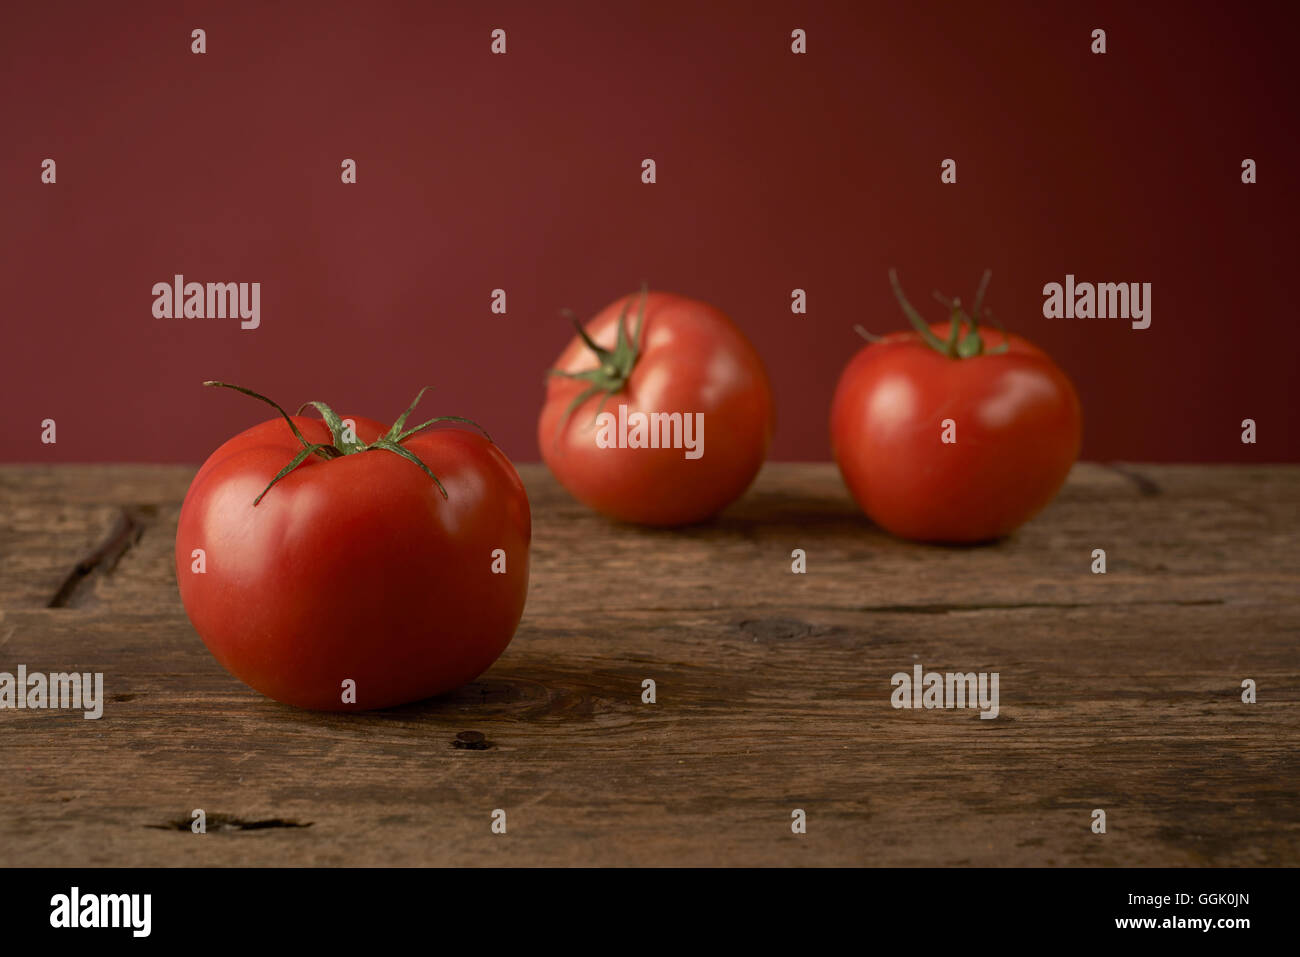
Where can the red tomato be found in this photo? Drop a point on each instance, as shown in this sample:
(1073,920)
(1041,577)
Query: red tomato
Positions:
(653,355)
(356,567)
(1015,418)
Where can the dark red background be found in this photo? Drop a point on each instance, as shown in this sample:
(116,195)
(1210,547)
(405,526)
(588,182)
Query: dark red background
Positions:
(522,171)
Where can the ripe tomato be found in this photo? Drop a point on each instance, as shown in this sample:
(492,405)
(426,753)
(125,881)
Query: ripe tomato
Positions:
(357,564)
(1015,419)
(682,357)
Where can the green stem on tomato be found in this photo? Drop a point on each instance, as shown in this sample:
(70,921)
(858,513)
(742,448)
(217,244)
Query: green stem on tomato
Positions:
(616,365)
(390,441)
(959,345)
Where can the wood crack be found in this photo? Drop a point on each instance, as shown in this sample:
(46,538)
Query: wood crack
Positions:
(222,822)
(1146,486)
(126,533)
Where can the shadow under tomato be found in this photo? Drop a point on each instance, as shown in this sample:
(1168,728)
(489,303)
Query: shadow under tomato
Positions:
(775,515)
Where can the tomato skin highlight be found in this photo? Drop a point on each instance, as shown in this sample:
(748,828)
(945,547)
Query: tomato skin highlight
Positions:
(354,568)
(1018,430)
(693,359)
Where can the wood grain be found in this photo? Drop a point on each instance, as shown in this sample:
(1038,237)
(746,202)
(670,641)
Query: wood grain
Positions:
(1118,691)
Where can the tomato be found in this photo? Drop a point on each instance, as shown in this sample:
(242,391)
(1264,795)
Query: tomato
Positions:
(1014,415)
(357,565)
(611,398)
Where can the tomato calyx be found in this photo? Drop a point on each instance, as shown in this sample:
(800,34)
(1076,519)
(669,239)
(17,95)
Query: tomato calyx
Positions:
(958,345)
(615,364)
(390,441)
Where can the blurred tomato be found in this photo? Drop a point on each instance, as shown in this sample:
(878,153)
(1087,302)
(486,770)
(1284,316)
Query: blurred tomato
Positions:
(676,356)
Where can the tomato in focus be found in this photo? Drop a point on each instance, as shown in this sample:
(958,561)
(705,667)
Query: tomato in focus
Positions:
(1015,418)
(357,566)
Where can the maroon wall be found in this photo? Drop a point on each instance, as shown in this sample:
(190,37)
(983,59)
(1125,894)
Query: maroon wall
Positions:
(522,171)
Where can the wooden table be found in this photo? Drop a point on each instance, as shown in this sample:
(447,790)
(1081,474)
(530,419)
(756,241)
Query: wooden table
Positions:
(1119,691)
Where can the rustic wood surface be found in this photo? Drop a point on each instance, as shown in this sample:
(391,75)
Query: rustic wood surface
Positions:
(1119,691)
